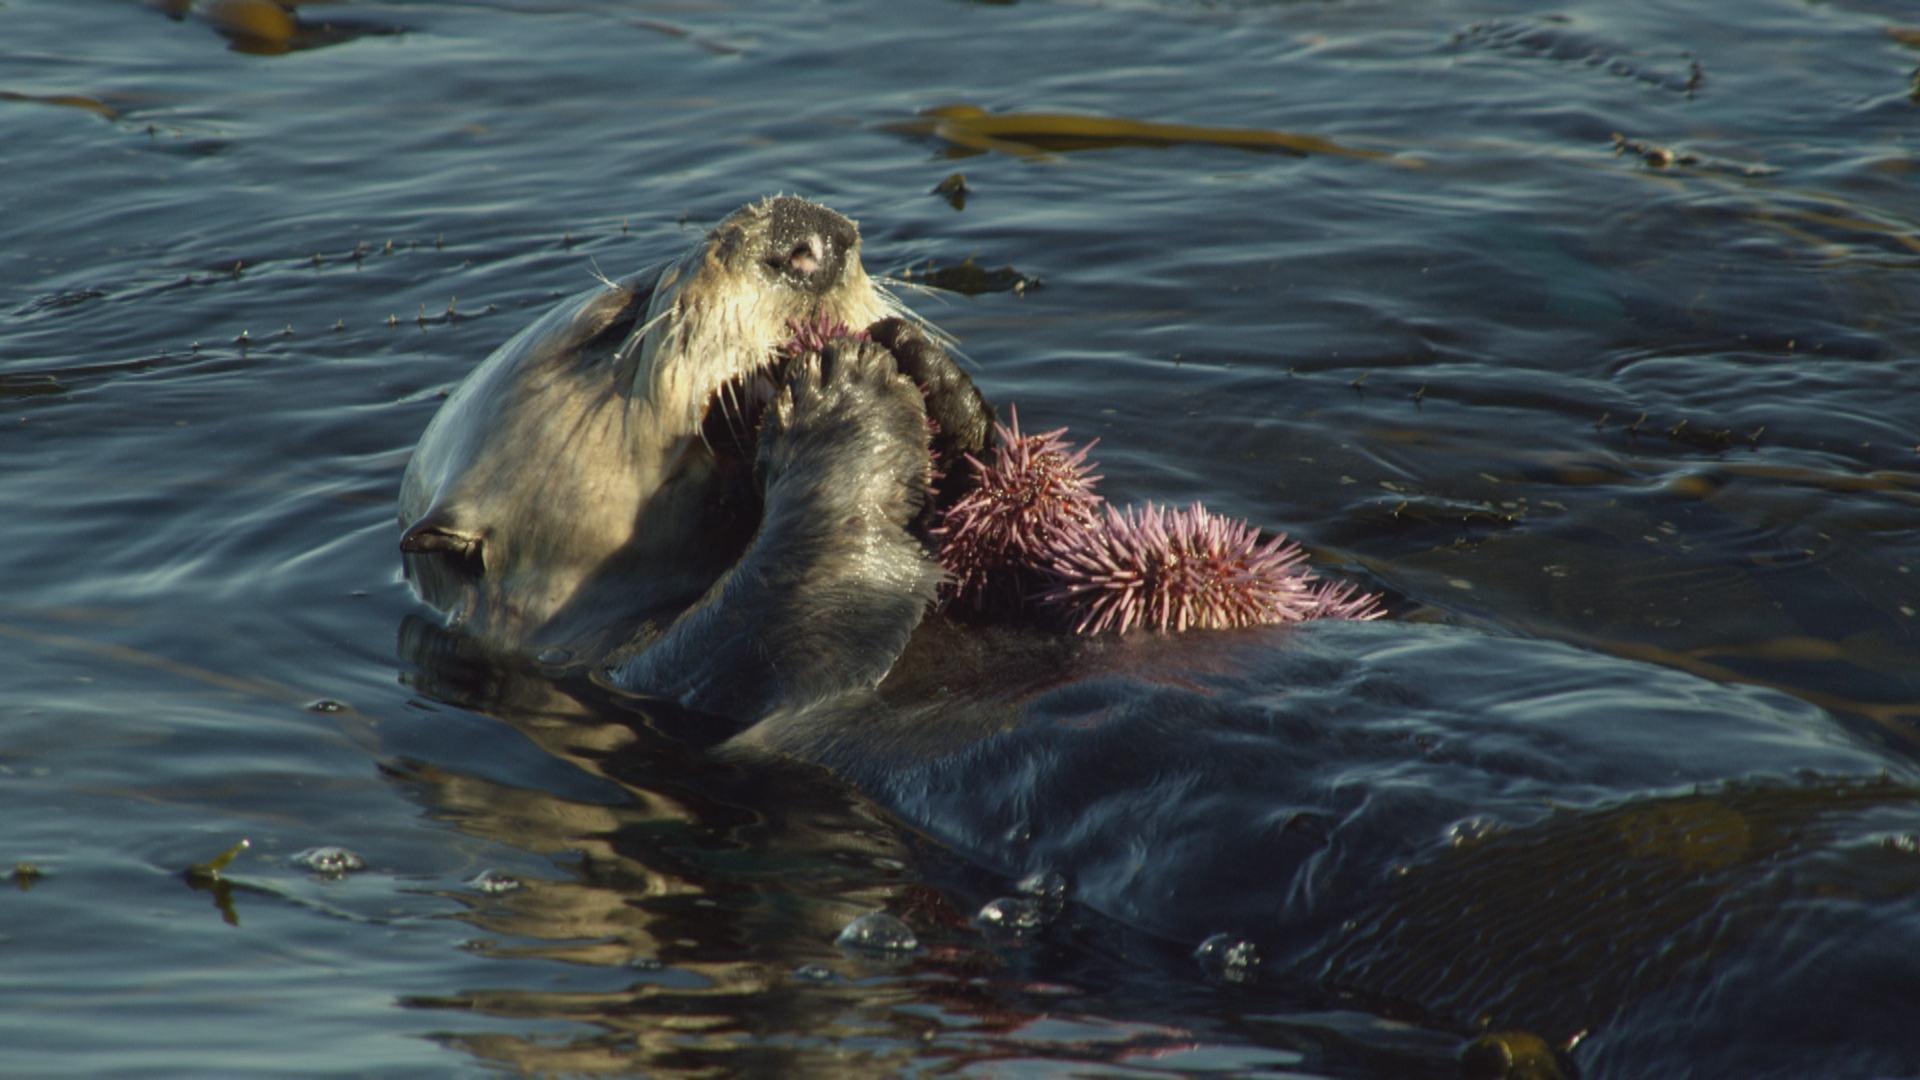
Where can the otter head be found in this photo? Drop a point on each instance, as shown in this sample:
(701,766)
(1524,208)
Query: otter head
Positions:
(590,473)
(718,315)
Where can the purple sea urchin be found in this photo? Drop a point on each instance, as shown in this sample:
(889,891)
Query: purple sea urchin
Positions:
(1032,528)
(1175,569)
(1026,489)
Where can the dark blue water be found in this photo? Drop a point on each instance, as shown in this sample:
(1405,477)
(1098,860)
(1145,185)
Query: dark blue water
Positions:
(1530,380)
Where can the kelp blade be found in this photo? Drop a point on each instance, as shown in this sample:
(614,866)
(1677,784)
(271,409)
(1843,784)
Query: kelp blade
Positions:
(970,128)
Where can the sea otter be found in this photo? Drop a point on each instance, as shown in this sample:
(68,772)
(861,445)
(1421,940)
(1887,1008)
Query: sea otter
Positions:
(1425,822)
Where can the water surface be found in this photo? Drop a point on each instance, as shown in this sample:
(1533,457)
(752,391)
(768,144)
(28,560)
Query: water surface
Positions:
(1618,345)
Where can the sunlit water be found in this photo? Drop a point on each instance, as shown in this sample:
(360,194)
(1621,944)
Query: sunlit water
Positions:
(1656,398)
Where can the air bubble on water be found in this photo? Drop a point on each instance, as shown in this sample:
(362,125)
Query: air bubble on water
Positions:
(1011,915)
(330,861)
(494,883)
(646,963)
(877,931)
(813,973)
(1228,958)
(326,705)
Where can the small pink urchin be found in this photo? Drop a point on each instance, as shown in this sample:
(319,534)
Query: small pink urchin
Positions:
(1178,569)
(1027,488)
(812,335)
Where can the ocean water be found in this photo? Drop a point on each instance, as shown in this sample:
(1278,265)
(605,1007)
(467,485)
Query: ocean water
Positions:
(1603,333)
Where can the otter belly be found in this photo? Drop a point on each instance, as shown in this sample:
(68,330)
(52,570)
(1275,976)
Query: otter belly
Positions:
(1425,821)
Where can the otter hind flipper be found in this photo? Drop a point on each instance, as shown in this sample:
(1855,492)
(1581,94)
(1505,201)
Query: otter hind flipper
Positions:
(833,583)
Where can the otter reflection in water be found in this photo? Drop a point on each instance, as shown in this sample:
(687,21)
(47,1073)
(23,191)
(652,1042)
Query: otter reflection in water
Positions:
(1429,823)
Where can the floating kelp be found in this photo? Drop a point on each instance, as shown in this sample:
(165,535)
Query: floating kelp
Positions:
(1666,157)
(72,101)
(969,129)
(955,190)
(970,278)
(211,869)
(30,384)
(271,27)
(208,877)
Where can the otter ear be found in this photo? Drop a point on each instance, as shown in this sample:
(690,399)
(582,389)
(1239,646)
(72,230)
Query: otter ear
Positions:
(436,534)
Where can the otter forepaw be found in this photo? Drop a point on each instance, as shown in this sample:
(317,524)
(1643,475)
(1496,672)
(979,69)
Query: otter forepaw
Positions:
(850,425)
(826,595)
(963,420)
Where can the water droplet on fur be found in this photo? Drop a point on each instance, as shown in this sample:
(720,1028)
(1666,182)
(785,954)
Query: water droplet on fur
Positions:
(1472,830)
(1011,915)
(877,931)
(494,883)
(1019,833)
(646,963)
(1049,887)
(554,655)
(326,705)
(1228,958)
(330,861)
(813,973)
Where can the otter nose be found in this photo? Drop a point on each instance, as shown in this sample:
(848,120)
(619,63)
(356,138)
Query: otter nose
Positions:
(806,255)
(808,244)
